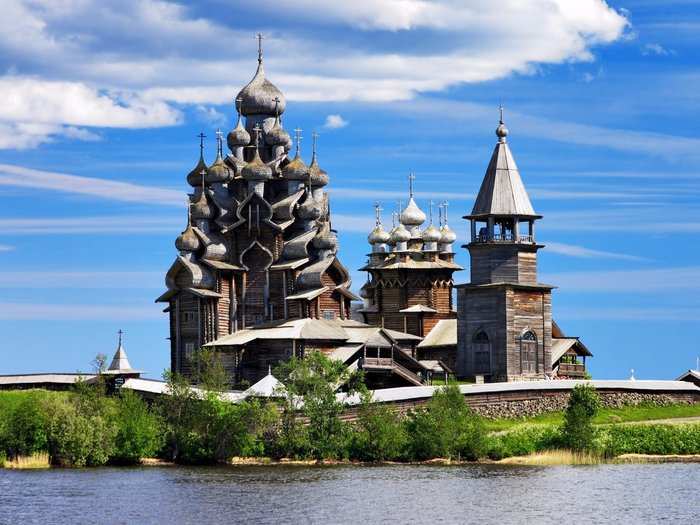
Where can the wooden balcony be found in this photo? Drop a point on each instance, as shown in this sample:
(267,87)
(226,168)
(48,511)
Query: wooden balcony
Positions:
(387,364)
(572,370)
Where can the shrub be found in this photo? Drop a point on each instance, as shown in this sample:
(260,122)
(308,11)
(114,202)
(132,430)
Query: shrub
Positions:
(379,433)
(578,431)
(524,441)
(447,427)
(139,432)
(24,430)
(652,439)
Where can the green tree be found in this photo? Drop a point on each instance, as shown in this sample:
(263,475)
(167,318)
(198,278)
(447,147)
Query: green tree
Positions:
(310,386)
(446,427)
(24,431)
(379,433)
(578,431)
(139,431)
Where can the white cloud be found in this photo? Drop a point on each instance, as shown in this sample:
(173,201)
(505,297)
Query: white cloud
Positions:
(11,175)
(335,122)
(6,248)
(571,250)
(77,312)
(106,224)
(81,280)
(656,49)
(126,64)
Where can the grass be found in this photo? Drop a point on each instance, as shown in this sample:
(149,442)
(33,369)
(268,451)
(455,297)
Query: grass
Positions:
(555,457)
(606,416)
(36,460)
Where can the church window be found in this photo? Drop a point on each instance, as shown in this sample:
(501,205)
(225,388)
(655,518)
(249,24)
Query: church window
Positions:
(482,353)
(189,350)
(187,317)
(528,352)
(328,315)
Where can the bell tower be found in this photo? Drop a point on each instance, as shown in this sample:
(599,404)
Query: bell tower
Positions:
(504,314)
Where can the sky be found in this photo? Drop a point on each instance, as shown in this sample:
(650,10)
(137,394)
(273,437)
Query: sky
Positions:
(101,102)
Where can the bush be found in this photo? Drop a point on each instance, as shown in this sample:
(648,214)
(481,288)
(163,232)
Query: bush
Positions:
(578,431)
(651,439)
(378,434)
(24,430)
(139,432)
(524,441)
(447,427)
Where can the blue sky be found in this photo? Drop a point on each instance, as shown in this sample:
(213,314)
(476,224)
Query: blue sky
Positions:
(101,102)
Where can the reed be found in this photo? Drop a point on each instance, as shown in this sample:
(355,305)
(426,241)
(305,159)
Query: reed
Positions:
(555,457)
(36,460)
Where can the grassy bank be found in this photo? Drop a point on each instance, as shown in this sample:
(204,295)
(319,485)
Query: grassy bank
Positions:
(88,428)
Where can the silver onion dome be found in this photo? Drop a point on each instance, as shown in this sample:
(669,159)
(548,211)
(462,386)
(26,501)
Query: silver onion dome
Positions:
(431,234)
(201,209)
(256,169)
(276,135)
(194,177)
(317,175)
(258,96)
(218,171)
(309,210)
(187,241)
(447,235)
(296,169)
(325,240)
(400,234)
(412,215)
(238,136)
(378,235)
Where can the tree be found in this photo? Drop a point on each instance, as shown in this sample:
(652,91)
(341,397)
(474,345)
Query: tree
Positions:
(578,431)
(310,385)
(99,364)
(379,433)
(139,432)
(446,427)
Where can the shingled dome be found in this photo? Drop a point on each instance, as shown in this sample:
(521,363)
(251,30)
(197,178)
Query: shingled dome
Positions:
(259,96)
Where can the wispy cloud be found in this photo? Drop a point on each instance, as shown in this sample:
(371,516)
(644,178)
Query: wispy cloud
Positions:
(81,279)
(656,49)
(571,250)
(78,312)
(106,224)
(6,248)
(335,122)
(674,315)
(18,176)
(628,281)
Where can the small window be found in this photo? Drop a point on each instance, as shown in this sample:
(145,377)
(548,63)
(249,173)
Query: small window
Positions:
(189,350)
(328,315)
(187,317)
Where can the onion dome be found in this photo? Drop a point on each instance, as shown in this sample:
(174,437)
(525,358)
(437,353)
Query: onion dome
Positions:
(201,209)
(378,235)
(238,136)
(447,235)
(400,234)
(296,169)
(317,175)
(367,291)
(412,215)
(431,234)
(326,239)
(309,210)
(194,177)
(187,241)
(256,169)
(276,135)
(218,171)
(258,97)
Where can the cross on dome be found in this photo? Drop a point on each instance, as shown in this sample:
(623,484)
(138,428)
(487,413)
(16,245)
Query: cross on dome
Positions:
(260,38)
(297,138)
(411,178)
(378,213)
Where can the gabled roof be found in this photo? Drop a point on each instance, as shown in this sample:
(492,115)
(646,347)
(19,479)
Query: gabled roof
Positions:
(690,373)
(444,333)
(502,191)
(268,386)
(561,345)
(417,309)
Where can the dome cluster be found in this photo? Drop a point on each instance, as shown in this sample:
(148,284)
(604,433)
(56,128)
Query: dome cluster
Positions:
(406,234)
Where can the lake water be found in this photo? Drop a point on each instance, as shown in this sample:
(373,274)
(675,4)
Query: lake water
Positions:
(382,494)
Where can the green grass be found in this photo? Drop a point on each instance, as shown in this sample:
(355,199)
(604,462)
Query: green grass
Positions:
(604,417)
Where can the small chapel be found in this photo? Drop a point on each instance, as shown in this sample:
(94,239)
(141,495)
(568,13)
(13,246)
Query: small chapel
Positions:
(257,276)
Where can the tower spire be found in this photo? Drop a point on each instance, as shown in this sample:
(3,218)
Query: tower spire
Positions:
(501,130)
(120,332)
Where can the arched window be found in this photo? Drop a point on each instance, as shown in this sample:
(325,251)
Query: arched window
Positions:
(482,353)
(528,353)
